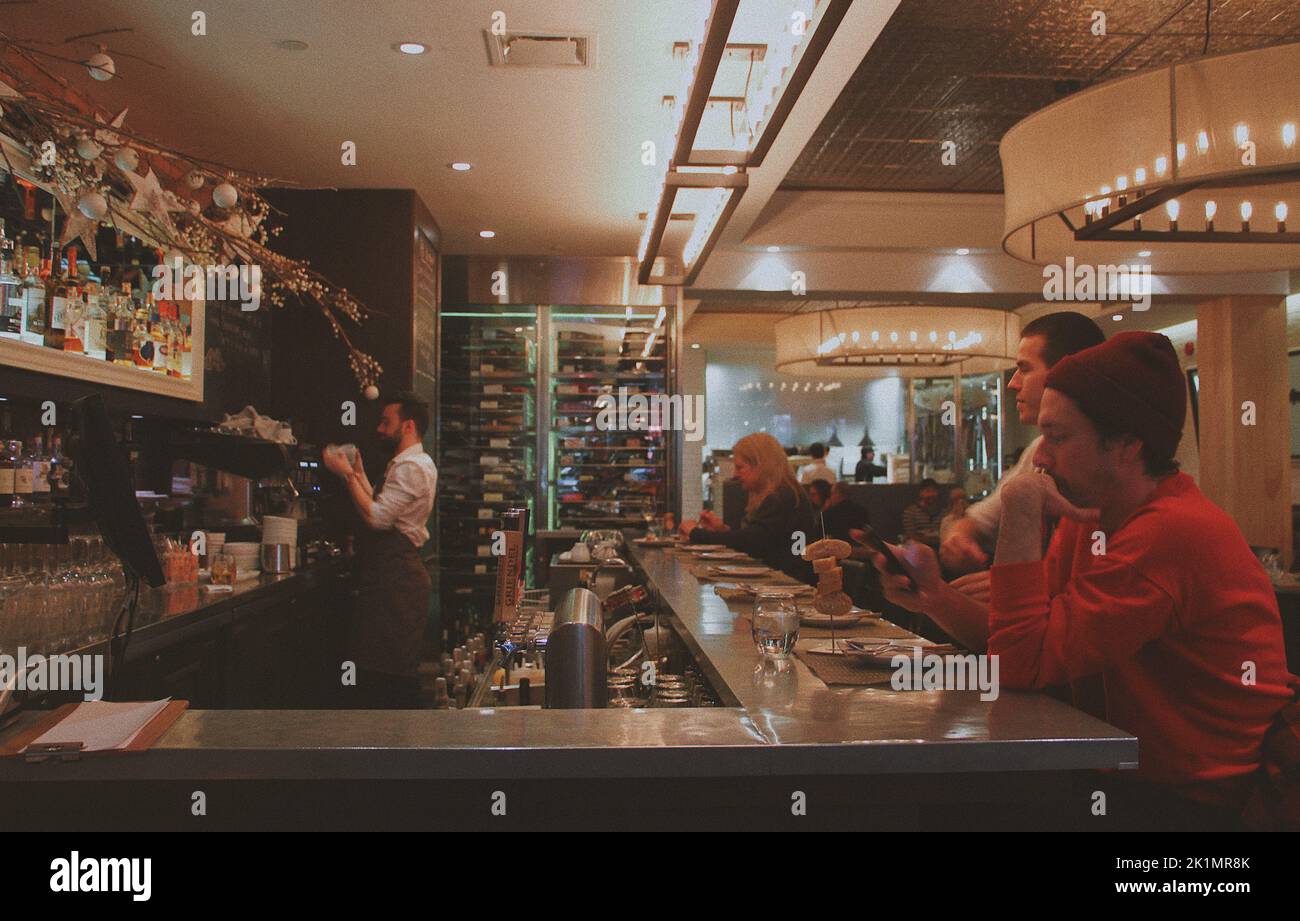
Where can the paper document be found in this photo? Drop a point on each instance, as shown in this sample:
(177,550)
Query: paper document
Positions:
(104,725)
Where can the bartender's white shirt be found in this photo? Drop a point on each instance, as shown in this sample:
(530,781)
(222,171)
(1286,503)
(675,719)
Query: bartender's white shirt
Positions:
(817,470)
(405,501)
(987,513)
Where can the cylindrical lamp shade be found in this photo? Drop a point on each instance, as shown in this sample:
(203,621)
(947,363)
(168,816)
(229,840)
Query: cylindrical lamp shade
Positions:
(850,343)
(1220,132)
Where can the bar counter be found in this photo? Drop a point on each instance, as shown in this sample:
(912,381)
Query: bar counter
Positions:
(793,725)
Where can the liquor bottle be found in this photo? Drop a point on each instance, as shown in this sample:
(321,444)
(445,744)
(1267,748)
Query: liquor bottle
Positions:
(121,332)
(143,351)
(96,319)
(8,468)
(22,474)
(40,465)
(33,300)
(11,289)
(74,327)
(158,333)
(56,303)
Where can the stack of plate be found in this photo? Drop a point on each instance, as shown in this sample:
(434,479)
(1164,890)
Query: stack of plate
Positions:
(247,556)
(278,530)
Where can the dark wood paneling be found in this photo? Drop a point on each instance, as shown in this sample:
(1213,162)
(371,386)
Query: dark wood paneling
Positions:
(364,241)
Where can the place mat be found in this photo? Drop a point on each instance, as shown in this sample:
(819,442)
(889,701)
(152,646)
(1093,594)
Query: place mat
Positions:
(837,670)
(875,629)
(701,571)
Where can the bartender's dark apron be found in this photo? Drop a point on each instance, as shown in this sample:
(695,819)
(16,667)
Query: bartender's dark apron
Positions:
(392,603)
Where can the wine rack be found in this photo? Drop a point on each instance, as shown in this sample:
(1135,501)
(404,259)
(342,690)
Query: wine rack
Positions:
(487,457)
(605,477)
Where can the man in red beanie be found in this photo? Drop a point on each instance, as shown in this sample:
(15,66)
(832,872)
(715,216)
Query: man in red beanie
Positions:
(1146,583)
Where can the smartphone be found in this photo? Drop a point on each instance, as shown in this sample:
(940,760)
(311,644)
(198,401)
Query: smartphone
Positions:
(874,541)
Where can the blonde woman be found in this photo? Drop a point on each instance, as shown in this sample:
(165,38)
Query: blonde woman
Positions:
(777,508)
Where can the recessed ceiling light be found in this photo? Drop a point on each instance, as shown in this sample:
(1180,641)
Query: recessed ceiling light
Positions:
(1145,254)
(487,234)
(290,44)
(411,47)
(1117,317)
(774,249)
(461,166)
(695,345)
(963,252)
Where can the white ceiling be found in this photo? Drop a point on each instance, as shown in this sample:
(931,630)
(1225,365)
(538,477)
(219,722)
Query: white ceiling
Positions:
(556,154)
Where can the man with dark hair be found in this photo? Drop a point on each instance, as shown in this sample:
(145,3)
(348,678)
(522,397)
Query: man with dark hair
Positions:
(1043,342)
(1146,584)
(817,470)
(818,492)
(867,468)
(393,603)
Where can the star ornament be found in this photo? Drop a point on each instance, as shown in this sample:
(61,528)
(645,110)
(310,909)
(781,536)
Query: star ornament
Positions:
(105,137)
(152,199)
(77,225)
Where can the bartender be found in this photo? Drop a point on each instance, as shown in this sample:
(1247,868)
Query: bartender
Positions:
(393,604)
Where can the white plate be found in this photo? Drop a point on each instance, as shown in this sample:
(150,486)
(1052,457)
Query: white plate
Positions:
(809,617)
(702,548)
(725,555)
(744,571)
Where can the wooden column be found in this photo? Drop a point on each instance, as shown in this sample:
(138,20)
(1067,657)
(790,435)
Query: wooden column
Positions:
(1246,469)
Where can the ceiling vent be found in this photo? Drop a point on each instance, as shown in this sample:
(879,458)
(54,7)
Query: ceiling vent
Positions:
(540,49)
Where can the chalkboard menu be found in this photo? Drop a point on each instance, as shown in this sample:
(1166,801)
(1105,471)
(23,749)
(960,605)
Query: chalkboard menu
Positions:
(237,363)
(425,326)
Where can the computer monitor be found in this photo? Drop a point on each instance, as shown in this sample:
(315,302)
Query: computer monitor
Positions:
(109,493)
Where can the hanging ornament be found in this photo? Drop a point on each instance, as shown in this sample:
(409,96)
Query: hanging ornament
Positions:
(101,66)
(47,214)
(372,392)
(93,205)
(126,159)
(225,195)
(194,179)
(87,149)
(76,224)
(150,198)
(105,137)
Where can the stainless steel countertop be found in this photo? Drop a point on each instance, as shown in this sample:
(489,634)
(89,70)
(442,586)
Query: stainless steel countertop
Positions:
(790,724)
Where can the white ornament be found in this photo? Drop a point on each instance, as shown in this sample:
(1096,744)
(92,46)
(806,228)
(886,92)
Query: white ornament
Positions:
(87,149)
(47,214)
(126,159)
(194,179)
(372,392)
(225,195)
(93,205)
(101,66)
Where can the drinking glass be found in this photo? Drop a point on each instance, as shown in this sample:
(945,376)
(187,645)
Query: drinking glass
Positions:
(223,569)
(775,624)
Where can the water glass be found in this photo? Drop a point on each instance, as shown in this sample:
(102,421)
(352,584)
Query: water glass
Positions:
(775,624)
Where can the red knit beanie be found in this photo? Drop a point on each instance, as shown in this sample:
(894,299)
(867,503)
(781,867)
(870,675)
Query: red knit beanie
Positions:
(1131,383)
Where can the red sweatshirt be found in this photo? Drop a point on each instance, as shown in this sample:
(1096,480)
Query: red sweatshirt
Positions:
(1167,616)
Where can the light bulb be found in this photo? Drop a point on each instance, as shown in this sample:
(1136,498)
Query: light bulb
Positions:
(952,335)
(1242,134)
(1140,175)
(934,336)
(912,335)
(1288,134)
(893,337)
(1121,183)
(1211,209)
(856,335)
(1279,211)
(875,335)
(1162,165)
(1202,142)
(1182,151)
(1172,208)
(1246,210)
